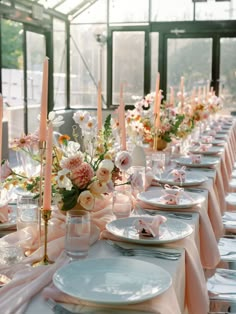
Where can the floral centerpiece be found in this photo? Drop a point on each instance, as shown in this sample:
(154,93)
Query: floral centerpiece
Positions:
(79,177)
(215,104)
(140,121)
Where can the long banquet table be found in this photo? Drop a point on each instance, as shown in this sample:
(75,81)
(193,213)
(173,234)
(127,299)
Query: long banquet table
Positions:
(199,252)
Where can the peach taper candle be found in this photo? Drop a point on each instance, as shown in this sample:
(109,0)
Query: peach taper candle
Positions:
(99,108)
(48,170)
(44,103)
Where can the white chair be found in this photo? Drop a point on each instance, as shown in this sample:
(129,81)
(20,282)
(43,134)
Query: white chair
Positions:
(222,290)
(229,221)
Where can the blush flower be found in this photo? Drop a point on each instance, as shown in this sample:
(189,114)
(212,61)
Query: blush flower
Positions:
(107,164)
(97,188)
(103,175)
(82,175)
(73,162)
(123,160)
(5,170)
(86,200)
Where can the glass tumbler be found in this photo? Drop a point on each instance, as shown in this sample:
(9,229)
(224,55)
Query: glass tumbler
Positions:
(27,211)
(158,163)
(77,233)
(122,204)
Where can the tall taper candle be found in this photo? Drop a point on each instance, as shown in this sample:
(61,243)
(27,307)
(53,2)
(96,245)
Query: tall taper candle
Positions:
(158,113)
(172,96)
(157,93)
(48,170)
(44,103)
(182,93)
(122,119)
(99,109)
(199,96)
(1,117)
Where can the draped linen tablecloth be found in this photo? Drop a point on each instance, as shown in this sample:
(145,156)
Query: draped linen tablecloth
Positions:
(28,281)
(196,296)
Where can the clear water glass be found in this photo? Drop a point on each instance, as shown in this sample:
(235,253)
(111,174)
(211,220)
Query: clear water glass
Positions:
(138,179)
(27,211)
(122,204)
(77,234)
(158,163)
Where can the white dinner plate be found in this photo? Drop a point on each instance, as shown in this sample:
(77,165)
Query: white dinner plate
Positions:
(186,200)
(113,281)
(220,136)
(190,180)
(170,231)
(205,162)
(213,150)
(218,142)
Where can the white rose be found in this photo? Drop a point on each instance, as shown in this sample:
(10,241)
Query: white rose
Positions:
(108,164)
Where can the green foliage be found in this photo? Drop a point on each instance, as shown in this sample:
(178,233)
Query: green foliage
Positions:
(12,44)
(107,128)
(69,198)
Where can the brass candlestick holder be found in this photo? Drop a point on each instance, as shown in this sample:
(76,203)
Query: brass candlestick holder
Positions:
(155,139)
(46,216)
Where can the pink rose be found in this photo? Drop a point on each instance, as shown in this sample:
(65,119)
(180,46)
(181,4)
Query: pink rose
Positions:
(72,163)
(82,175)
(123,160)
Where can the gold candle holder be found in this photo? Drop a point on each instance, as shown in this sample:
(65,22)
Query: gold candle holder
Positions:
(46,216)
(155,140)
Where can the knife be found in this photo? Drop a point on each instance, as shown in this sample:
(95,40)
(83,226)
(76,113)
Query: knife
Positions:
(59,309)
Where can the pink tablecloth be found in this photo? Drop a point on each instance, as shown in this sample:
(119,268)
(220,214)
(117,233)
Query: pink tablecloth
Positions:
(196,296)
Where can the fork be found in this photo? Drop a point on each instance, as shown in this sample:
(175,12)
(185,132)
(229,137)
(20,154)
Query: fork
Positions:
(145,252)
(174,215)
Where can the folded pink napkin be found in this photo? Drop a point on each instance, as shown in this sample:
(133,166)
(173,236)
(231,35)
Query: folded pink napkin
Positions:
(166,303)
(209,251)
(147,228)
(204,147)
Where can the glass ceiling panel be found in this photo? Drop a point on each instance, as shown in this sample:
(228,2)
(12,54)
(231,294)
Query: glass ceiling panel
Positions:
(96,13)
(69,5)
(49,3)
(63,6)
